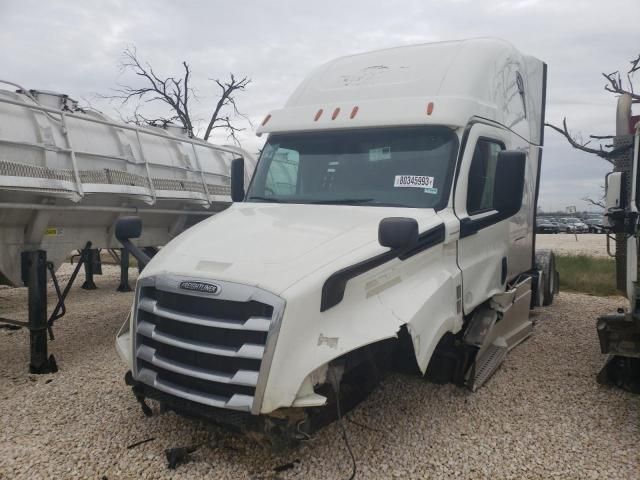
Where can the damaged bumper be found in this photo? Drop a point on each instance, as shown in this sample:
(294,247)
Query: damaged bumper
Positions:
(357,374)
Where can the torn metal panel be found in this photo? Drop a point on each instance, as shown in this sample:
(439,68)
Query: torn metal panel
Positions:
(435,279)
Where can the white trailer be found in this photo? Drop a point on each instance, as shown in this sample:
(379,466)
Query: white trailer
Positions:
(67,173)
(390,217)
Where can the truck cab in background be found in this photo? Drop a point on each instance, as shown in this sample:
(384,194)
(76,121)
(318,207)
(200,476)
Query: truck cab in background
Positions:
(391,217)
(619,333)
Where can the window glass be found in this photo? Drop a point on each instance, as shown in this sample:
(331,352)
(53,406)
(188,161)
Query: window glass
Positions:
(283,174)
(482,176)
(408,166)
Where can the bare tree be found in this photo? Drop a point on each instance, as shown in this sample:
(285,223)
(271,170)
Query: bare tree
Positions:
(597,203)
(176,93)
(617,86)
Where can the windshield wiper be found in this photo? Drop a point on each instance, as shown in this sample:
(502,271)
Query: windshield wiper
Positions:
(341,201)
(266,199)
(387,204)
(337,201)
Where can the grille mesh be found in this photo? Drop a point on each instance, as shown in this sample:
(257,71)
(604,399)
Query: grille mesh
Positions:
(207,350)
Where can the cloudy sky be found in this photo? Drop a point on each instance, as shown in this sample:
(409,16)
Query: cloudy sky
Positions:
(75,47)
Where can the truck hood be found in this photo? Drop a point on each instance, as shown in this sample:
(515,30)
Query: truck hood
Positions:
(272,246)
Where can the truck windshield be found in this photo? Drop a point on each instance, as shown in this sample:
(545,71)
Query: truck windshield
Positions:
(406,167)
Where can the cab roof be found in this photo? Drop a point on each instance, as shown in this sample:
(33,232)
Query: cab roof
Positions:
(481,77)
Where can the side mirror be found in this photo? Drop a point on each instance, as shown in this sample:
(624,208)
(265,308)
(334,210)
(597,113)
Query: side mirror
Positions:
(398,232)
(614,198)
(509,181)
(237,179)
(128,227)
(613,191)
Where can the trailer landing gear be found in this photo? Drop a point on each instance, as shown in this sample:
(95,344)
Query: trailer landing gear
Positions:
(124,271)
(92,266)
(34,276)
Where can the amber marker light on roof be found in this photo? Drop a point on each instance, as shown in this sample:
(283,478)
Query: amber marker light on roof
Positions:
(429,108)
(266,119)
(318,115)
(354,112)
(335,113)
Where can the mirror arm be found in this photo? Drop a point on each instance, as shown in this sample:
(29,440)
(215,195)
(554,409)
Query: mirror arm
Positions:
(142,258)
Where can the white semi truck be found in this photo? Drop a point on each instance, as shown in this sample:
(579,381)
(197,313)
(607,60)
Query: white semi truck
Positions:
(390,219)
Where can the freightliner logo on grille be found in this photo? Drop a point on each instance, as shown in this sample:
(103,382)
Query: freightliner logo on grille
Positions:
(203,287)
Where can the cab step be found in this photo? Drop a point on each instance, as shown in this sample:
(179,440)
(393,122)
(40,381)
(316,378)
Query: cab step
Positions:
(486,365)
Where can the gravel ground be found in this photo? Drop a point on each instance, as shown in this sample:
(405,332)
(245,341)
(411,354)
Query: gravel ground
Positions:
(541,416)
(591,244)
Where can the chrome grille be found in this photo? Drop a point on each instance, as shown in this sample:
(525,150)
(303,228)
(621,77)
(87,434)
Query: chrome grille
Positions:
(205,348)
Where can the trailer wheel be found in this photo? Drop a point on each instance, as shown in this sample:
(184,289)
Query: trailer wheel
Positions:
(546,263)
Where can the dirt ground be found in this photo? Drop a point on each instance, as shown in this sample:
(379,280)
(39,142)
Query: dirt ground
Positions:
(591,244)
(542,415)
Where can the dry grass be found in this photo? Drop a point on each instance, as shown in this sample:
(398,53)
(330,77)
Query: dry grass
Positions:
(586,274)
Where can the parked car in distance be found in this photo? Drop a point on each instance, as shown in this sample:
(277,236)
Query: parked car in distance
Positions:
(595,224)
(545,225)
(577,225)
(563,227)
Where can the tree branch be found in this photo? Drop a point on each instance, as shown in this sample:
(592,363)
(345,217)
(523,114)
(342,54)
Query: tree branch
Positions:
(601,152)
(615,83)
(226,99)
(607,151)
(595,203)
(635,65)
(139,119)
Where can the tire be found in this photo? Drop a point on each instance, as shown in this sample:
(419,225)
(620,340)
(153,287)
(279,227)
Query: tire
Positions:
(549,290)
(546,263)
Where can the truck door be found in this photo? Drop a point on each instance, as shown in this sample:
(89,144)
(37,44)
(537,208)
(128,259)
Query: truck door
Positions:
(490,246)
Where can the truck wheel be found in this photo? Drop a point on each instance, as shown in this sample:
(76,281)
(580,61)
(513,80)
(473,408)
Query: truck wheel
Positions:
(550,285)
(546,263)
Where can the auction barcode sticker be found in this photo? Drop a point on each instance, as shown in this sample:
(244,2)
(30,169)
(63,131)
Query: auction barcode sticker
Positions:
(413,181)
